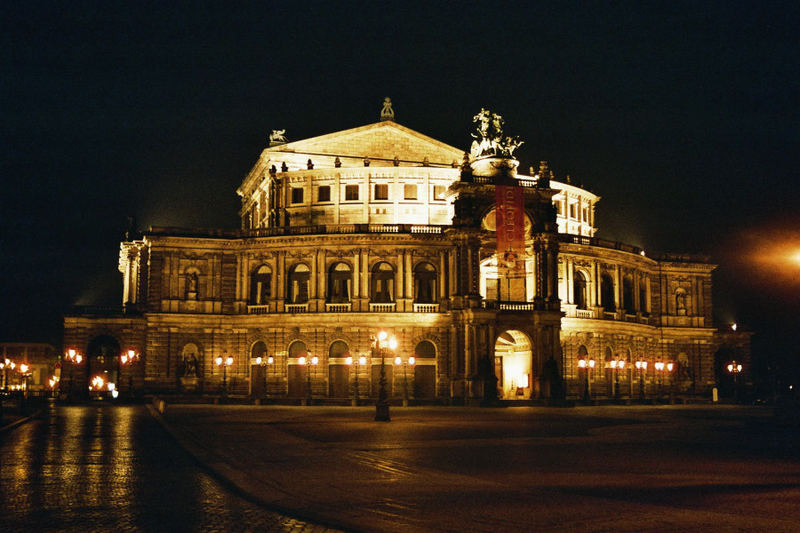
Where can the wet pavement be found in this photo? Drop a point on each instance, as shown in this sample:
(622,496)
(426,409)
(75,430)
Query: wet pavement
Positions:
(107,468)
(642,469)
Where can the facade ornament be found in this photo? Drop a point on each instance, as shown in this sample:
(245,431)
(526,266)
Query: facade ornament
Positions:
(396,161)
(337,162)
(426,162)
(387,113)
(284,167)
(489,139)
(366,161)
(310,164)
(273,170)
(277,137)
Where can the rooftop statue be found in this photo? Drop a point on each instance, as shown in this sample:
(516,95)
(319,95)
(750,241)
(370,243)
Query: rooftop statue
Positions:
(387,113)
(489,140)
(277,136)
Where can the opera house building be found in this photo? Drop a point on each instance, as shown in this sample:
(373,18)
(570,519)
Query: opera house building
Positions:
(489,280)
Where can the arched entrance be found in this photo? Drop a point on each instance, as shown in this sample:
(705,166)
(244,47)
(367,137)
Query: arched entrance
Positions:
(103,359)
(513,360)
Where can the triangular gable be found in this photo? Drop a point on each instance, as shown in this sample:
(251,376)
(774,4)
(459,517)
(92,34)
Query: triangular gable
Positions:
(379,141)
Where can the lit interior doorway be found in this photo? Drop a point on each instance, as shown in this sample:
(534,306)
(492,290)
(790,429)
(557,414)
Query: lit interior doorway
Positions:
(513,357)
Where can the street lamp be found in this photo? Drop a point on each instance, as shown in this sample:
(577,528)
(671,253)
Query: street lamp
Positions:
(410,361)
(617,365)
(224,363)
(586,365)
(127,357)
(662,367)
(380,342)
(641,366)
(735,369)
(75,359)
(361,361)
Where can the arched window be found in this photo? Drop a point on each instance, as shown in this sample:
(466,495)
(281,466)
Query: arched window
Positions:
(579,290)
(259,349)
(583,353)
(608,356)
(425,350)
(627,294)
(297,349)
(607,293)
(340,281)
(298,284)
(382,288)
(425,283)
(260,283)
(338,349)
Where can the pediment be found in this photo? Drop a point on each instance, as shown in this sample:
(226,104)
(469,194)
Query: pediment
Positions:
(381,142)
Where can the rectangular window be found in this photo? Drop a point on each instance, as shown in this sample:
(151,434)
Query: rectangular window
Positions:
(586,214)
(410,191)
(350,193)
(324,193)
(297,195)
(381,191)
(560,205)
(439,192)
(573,211)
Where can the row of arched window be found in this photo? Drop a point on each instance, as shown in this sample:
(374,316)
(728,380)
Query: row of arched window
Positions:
(607,290)
(340,283)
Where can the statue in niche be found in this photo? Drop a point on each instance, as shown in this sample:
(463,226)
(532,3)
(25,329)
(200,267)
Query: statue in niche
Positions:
(387,113)
(489,140)
(680,302)
(191,284)
(189,366)
(277,136)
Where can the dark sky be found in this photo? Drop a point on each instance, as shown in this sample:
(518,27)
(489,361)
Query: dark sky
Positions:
(683,116)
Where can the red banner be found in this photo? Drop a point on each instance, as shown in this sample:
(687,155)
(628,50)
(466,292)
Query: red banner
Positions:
(510,218)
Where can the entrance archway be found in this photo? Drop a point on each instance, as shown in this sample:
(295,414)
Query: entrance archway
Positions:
(513,358)
(103,359)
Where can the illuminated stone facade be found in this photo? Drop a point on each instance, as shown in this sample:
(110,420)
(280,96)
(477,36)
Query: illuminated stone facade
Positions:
(381,227)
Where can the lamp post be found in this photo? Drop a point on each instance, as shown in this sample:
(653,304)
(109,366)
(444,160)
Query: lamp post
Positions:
(735,369)
(410,361)
(75,359)
(379,342)
(662,367)
(127,358)
(224,362)
(586,365)
(617,365)
(361,361)
(641,366)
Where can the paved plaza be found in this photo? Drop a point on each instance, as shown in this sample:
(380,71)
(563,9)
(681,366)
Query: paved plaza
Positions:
(669,468)
(107,468)
(279,468)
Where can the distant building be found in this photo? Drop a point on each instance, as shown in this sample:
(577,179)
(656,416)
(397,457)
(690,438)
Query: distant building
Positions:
(41,359)
(382,227)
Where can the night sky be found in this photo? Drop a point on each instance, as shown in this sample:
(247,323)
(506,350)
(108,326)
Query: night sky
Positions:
(682,116)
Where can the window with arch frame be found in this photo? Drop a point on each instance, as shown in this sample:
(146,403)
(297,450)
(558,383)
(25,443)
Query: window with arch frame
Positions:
(340,282)
(579,290)
(382,284)
(260,285)
(298,280)
(425,283)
